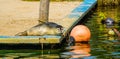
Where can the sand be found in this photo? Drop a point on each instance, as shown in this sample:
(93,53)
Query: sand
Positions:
(17,15)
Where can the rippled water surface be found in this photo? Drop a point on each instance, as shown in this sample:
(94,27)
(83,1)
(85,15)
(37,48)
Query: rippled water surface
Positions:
(101,45)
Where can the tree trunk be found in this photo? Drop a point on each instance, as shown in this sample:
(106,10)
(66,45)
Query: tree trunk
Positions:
(44,11)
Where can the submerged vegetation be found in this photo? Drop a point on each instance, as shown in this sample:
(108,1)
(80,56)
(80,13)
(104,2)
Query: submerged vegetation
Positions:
(108,2)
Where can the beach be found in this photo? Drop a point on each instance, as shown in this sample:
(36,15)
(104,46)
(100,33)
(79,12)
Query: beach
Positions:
(17,15)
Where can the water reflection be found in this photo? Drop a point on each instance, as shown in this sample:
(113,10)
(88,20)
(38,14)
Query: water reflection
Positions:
(29,54)
(79,50)
(104,43)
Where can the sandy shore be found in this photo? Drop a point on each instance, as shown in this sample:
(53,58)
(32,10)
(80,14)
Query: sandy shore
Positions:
(17,15)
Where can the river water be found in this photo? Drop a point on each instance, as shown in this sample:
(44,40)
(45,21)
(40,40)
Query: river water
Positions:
(101,45)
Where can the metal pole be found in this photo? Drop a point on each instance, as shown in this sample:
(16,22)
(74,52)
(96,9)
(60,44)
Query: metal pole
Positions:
(44,11)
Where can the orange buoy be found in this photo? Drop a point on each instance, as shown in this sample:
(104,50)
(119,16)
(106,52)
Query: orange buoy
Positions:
(80,33)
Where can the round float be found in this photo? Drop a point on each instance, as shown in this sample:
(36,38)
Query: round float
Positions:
(80,33)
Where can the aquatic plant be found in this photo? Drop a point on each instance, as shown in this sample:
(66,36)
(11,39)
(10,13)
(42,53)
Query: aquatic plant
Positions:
(108,2)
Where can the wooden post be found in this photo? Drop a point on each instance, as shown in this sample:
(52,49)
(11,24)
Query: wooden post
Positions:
(44,11)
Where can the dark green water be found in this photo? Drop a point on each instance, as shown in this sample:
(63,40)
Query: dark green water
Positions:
(101,45)
(104,45)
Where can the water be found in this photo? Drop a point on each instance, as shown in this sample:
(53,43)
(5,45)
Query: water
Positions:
(101,45)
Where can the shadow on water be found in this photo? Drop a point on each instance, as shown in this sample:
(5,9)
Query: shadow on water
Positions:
(101,45)
(29,51)
(29,46)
